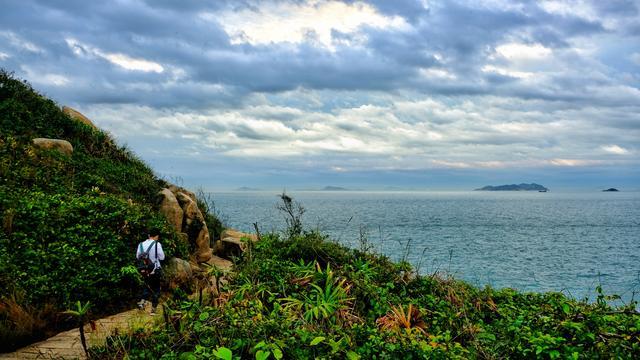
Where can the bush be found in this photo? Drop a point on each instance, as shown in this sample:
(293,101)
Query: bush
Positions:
(64,248)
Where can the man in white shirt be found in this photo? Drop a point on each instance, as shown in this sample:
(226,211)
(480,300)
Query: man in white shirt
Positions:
(153,249)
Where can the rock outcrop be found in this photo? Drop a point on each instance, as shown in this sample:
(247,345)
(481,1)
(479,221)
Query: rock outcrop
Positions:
(180,208)
(177,272)
(233,242)
(170,208)
(62,146)
(76,115)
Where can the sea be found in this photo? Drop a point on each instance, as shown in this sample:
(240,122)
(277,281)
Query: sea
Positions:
(569,242)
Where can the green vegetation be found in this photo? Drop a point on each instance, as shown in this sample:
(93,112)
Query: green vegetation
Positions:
(303,296)
(70,224)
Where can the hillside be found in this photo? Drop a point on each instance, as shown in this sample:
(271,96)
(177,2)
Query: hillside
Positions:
(73,205)
(303,296)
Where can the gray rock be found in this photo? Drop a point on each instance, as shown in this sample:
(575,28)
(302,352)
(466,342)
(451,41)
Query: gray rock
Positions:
(62,146)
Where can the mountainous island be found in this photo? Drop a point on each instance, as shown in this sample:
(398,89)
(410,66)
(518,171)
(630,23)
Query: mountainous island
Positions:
(611,190)
(514,187)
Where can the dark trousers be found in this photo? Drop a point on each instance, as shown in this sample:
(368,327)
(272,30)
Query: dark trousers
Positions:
(151,289)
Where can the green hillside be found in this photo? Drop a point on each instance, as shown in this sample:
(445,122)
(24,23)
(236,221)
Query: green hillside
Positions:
(70,222)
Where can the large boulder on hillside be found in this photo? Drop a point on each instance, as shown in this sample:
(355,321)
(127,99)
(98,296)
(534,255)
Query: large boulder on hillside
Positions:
(177,273)
(233,242)
(194,225)
(62,146)
(189,208)
(170,208)
(176,190)
(76,115)
(203,245)
(232,233)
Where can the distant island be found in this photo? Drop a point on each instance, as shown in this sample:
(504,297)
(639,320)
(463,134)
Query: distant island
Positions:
(334,188)
(246,188)
(611,190)
(515,187)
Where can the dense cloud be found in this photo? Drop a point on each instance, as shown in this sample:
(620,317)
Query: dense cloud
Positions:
(344,87)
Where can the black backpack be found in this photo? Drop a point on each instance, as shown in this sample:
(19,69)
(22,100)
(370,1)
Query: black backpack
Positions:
(144,264)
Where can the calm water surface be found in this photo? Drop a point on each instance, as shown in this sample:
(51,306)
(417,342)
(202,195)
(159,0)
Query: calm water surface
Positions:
(531,241)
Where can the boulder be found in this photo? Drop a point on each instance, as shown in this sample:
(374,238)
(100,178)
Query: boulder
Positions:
(170,208)
(76,115)
(177,190)
(193,223)
(222,264)
(203,248)
(177,272)
(233,242)
(189,208)
(232,233)
(62,146)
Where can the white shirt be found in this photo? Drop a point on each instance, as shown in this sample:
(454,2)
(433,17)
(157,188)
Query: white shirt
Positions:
(152,252)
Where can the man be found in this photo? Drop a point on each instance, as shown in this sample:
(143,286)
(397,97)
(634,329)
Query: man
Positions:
(153,249)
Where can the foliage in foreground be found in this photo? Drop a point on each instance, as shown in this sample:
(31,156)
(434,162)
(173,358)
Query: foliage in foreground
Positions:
(307,297)
(69,224)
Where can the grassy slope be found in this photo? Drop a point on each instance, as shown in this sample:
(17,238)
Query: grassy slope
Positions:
(307,297)
(69,224)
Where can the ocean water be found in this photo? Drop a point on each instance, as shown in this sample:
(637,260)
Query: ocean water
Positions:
(555,241)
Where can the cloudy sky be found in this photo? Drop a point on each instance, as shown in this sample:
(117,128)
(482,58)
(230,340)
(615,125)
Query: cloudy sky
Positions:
(412,94)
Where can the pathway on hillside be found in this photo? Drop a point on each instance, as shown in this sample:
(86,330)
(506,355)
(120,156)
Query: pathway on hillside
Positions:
(66,345)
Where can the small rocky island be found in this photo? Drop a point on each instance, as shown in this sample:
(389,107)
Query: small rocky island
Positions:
(611,190)
(334,188)
(515,187)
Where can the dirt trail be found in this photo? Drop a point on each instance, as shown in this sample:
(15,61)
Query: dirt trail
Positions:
(66,345)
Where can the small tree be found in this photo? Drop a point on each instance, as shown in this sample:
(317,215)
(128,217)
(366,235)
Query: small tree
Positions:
(80,313)
(293,212)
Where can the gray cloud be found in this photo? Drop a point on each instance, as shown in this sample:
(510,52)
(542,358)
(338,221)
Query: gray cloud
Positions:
(453,84)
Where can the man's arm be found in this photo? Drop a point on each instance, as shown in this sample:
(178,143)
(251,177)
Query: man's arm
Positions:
(160,252)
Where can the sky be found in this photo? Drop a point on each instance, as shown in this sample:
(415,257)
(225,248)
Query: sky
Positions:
(396,94)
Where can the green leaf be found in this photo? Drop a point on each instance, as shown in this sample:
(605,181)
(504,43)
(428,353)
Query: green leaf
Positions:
(223,353)
(566,308)
(262,355)
(187,356)
(317,340)
(352,355)
(486,336)
(277,353)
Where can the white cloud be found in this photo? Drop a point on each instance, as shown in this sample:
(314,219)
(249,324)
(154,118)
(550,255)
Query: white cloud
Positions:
(615,149)
(19,42)
(521,52)
(3,56)
(122,60)
(298,22)
(437,74)
(573,162)
(579,8)
(507,72)
(130,63)
(44,78)
(423,133)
